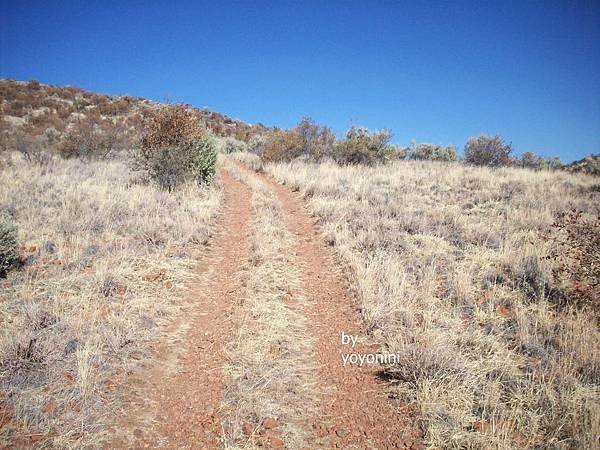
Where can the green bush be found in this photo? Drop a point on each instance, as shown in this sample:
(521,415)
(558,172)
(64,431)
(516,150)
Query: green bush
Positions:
(9,258)
(363,147)
(176,148)
(432,152)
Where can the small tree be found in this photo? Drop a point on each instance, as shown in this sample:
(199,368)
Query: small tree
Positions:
(176,148)
(488,151)
(317,140)
(282,145)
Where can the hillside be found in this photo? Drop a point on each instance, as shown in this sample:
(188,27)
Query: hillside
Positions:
(32,109)
(590,165)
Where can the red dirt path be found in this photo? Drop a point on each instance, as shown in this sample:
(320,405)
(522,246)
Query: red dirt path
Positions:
(356,410)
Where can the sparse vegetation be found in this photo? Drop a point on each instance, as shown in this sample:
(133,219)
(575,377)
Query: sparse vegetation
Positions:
(589,165)
(86,123)
(460,272)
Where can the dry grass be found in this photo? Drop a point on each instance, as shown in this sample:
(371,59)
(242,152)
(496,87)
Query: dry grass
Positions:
(269,373)
(449,267)
(249,159)
(106,261)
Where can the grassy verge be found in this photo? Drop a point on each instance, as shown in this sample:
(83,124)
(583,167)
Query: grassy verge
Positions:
(105,263)
(455,270)
(269,375)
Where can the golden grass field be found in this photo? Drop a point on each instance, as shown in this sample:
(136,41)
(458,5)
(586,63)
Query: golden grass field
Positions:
(458,270)
(107,257)
(452,269)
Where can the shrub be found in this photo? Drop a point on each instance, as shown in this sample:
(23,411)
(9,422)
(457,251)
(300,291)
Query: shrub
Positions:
(362,147)
(432,152)
(577,250)
(317,141)
(305,139)
(256,144)
(232,145)
(530,160)
(282,145)
(86,140)
(9,258)
(176,148)
(32,148)
(488,151)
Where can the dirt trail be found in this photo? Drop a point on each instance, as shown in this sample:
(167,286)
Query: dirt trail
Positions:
(356,411)
(189,401)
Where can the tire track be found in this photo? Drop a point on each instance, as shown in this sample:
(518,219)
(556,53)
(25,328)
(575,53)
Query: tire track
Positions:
(355,409)
(189,402)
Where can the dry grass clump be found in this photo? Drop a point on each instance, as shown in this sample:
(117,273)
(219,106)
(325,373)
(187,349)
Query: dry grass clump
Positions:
(105,260)
(454,268)
(249,159)
(269,368)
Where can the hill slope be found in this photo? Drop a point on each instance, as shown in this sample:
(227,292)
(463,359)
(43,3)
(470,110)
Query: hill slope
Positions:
(32,108)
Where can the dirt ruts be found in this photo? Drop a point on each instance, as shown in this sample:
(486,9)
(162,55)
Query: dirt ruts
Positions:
(354,409)
(188,402)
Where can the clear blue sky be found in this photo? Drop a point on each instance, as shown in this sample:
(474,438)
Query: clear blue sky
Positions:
(430,71)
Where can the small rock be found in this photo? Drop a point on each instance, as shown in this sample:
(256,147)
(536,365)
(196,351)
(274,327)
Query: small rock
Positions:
(49,247)
(247,429)
(138,433)
(269,423)
(276,442)
(72,346)
(92,249)
(342,432)
(49,408)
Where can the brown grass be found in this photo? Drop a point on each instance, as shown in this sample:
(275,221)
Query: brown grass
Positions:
(105,264)
(449,266)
